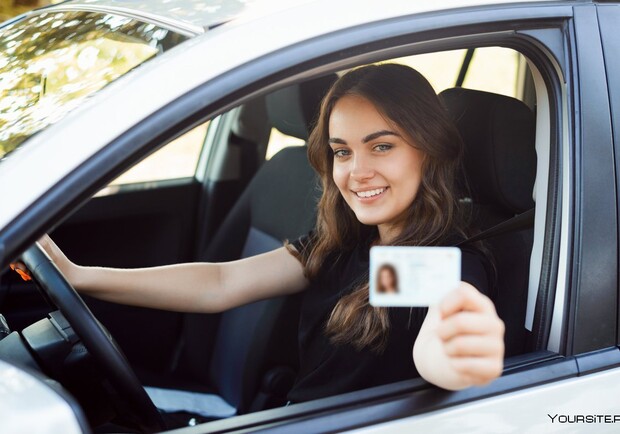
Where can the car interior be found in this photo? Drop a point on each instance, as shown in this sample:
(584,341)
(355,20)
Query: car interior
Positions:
(240,204)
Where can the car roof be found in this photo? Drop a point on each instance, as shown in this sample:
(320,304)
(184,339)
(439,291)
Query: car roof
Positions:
(255,33)
(197,15)
(202,15)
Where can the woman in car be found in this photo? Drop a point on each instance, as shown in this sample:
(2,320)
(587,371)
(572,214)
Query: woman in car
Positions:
(387,155)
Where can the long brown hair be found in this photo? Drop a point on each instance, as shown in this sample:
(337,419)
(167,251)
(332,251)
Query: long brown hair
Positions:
(407,99)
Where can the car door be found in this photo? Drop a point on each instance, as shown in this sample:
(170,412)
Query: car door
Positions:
(571,373)
(571,382)
(145,217)
(161,211)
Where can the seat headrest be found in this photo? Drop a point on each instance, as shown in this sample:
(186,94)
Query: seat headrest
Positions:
(500,154)
(293,109)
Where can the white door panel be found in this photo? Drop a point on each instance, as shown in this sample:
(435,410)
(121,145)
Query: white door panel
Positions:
(583,404)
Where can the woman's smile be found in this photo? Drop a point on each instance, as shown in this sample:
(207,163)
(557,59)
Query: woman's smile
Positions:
(370,195)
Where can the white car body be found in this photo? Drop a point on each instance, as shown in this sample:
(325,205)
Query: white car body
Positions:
(264,28)
(574,405)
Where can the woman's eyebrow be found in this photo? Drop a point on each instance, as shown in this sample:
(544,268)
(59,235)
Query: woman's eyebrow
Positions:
(376,135)
(368,138)
(336,140)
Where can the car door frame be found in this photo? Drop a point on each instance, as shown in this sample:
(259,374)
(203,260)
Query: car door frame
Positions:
(263,75)
(609,16)
(594,255)
(586,348)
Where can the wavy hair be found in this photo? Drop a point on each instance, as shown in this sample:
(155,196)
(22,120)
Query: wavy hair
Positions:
(406,99)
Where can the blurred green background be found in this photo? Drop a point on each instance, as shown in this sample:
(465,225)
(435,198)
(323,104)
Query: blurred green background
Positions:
(10,8)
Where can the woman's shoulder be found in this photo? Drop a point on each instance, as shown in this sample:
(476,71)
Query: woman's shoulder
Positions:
(304,243)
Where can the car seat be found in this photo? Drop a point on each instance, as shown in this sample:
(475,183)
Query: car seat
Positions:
(252,361)
(500,169)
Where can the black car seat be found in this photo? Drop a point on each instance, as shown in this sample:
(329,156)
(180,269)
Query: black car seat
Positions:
(500,168)
(252,361)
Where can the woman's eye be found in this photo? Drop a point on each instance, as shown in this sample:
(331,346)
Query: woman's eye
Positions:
(383,147)
(341,153)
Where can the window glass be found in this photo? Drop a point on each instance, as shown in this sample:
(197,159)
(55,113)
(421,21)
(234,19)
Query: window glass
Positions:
(279,141)
(177,159)
(492,69)
(441,69)
(50,62)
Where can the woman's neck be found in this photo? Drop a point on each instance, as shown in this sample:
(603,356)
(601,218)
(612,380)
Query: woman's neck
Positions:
(387,233)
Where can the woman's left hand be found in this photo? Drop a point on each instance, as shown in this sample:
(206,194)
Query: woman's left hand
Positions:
(461,342)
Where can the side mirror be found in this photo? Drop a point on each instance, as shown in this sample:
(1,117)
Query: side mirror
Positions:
(29,403)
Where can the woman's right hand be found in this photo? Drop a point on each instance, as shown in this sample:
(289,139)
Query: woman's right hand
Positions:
(63,263)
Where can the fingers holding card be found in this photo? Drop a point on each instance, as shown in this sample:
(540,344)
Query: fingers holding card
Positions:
(412,276)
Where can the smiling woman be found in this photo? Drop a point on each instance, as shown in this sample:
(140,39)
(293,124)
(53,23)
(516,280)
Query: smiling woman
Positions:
(388,177)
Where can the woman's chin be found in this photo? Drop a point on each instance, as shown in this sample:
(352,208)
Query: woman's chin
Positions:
(369,220)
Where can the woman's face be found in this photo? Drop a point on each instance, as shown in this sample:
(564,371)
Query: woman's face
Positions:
(376,170)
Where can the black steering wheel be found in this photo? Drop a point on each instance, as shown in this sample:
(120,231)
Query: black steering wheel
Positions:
(94,336)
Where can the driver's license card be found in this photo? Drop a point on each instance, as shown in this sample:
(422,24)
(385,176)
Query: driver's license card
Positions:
(412,276)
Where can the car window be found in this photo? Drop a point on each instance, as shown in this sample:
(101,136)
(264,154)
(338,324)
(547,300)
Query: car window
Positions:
(51,62)
(279,141)
(178,159)
(492,69)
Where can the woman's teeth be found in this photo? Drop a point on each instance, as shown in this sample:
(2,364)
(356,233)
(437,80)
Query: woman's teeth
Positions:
(370,193)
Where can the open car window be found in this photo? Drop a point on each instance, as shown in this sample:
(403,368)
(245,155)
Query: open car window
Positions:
(498,70)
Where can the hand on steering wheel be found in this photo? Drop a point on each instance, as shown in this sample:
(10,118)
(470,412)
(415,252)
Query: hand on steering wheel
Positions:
(93,335)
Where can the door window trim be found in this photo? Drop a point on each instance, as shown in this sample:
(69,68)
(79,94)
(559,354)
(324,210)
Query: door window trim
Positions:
(408,398)
(608,17)
(593,293)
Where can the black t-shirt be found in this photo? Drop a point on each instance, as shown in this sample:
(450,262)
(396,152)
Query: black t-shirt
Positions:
(328,369)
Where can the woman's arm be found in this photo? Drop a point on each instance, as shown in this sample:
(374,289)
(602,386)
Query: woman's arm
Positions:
(190,287)
(461,342)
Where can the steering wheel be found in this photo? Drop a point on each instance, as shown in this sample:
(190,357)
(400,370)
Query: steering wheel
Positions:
(94,336)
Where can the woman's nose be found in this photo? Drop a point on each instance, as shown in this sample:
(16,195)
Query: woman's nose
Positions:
(361,168)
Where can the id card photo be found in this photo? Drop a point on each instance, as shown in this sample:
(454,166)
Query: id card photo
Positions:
(412,276)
